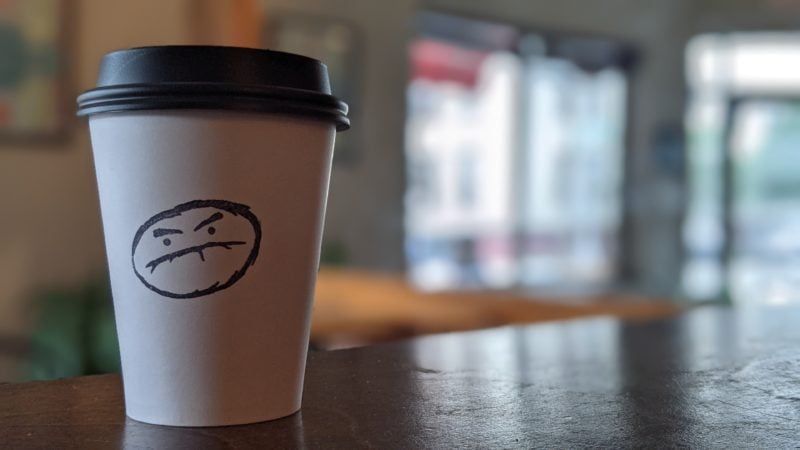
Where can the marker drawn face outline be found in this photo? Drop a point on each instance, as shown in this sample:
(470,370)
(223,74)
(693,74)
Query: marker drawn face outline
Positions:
(205,227)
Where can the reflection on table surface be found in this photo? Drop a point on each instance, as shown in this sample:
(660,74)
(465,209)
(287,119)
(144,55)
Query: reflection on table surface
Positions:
(712,376)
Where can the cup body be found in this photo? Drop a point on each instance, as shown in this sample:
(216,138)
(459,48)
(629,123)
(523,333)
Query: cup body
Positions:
(213,222)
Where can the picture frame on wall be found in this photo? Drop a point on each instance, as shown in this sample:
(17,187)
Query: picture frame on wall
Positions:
(33,98)
(334,42)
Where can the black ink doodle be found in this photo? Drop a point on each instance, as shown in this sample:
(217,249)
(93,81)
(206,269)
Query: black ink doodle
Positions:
(175,234)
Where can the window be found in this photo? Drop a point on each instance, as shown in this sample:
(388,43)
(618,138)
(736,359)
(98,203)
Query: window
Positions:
(515,148)
(742,228)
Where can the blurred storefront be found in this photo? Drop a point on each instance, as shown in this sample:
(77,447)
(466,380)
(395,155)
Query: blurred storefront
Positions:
(515,144)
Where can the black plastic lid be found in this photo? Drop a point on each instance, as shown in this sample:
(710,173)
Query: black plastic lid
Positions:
(209,77)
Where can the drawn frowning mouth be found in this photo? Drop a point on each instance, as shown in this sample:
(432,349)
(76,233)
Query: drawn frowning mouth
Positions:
(228,245)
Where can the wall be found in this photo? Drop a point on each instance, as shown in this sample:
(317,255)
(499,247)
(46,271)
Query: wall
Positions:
(365,201)
(50,227)
(739,15)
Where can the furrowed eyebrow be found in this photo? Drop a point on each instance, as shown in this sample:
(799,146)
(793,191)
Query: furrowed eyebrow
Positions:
(158,232)
(214,217)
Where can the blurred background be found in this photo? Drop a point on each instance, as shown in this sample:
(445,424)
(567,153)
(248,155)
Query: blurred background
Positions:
(510,161)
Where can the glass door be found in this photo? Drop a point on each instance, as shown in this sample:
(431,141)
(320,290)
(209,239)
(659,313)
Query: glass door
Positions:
(764,204)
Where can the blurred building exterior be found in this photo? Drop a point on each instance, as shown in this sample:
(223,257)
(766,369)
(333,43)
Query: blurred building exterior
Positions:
(516,149)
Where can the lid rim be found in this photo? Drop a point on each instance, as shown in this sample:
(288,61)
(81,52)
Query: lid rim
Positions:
(247,105)
(213,77)
(205,88)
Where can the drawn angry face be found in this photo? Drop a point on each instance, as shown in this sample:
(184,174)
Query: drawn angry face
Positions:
(196,248)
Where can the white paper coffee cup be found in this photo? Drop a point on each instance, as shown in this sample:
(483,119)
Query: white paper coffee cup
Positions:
(212,212)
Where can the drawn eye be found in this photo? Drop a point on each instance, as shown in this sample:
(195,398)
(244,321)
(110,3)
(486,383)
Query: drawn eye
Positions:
(167,241)
(212,230)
